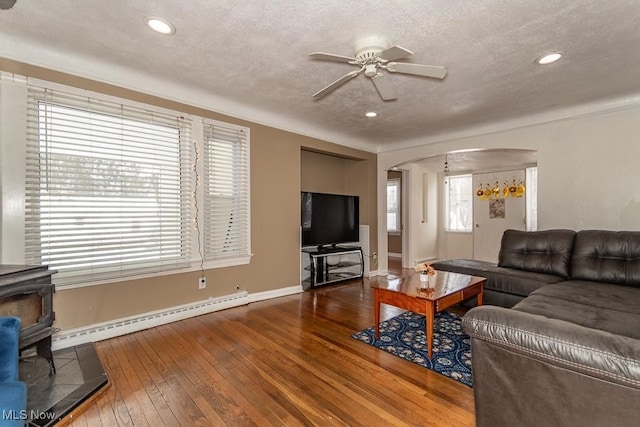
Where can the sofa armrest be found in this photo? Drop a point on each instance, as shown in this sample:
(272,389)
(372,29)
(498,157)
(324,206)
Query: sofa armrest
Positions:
(532,371)
(587,351)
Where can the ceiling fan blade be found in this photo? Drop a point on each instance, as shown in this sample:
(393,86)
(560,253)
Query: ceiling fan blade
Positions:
(386,91)
(417,69)
(335,85)
(394,52)
(330,57)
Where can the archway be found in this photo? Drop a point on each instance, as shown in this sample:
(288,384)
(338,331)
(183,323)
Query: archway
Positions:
(425,233)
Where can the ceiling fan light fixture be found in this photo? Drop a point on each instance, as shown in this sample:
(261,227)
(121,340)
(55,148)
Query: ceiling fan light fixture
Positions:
(160,26)
(371,114)
(370,70)
(374,54)
(549,58)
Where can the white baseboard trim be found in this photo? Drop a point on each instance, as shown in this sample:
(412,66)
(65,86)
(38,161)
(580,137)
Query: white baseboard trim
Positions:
(394,255)
(126,325)
(282,292)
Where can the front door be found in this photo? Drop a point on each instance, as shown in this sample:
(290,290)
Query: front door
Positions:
(493,216)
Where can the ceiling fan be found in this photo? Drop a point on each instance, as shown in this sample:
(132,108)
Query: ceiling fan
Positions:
(374,54)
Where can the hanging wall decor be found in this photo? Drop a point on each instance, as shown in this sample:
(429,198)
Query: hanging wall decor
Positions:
(497,209)
(487,192)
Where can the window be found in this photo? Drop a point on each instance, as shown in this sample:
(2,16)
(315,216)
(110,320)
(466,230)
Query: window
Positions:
(107,194)
(459,203)
(226,189)
(114,189)
(393,205)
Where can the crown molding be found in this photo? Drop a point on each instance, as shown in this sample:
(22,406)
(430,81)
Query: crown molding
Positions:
(601,107)
(93,68)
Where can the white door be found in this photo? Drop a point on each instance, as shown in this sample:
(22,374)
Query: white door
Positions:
(492,217)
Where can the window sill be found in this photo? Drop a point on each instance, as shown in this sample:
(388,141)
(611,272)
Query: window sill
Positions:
(195,266)
(226,262)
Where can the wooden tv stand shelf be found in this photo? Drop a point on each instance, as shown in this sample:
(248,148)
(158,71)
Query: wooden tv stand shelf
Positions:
(331,264)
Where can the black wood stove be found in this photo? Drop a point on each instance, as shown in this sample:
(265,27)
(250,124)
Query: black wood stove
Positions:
(27,292)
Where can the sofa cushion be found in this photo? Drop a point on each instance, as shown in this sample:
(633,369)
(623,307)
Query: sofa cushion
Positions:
(500,279)
(519,282)
(547,252)
(501,299)
(607,256)
(606,307)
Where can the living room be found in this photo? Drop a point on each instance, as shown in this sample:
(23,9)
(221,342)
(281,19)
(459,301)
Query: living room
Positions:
(586,147)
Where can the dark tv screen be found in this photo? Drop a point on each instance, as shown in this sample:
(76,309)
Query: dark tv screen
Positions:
(329,219)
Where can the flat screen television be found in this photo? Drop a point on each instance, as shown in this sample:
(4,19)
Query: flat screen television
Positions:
(329,219)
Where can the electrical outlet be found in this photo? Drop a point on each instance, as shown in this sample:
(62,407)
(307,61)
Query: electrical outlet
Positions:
(202,283)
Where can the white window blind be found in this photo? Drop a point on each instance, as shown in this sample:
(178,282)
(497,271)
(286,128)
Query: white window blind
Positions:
(459,203)
(108,188)
(226,188)
(393,205)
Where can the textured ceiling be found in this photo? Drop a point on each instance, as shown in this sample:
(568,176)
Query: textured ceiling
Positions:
(479,160)
(249,59)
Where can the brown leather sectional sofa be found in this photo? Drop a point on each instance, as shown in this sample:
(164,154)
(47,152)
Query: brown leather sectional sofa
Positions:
(527,261)
(568,353)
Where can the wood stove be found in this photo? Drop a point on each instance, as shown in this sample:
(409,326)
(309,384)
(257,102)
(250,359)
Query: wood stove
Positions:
(26,292)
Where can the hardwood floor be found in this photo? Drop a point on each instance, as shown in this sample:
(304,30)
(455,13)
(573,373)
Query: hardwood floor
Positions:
(287,361)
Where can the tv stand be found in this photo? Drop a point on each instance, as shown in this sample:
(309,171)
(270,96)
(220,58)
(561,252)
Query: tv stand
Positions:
(332,246)
(324,265)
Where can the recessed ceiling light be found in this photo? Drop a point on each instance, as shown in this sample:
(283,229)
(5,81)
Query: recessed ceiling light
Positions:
(159,25)
(548,58)
(371,114)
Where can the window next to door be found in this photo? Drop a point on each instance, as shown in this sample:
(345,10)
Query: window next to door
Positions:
(393,205)
(459,203)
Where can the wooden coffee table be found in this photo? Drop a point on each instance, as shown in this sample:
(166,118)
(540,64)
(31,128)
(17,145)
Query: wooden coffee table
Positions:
(410,293)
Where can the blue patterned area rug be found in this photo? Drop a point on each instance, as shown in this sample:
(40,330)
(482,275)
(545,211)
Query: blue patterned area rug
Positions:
(405,336)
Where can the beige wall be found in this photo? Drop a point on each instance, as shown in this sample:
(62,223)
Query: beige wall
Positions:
(395,243)
(275,218)
(360,180)
(322,173)
(331,173)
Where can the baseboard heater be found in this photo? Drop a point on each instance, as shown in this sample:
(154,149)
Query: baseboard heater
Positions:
(127,325)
